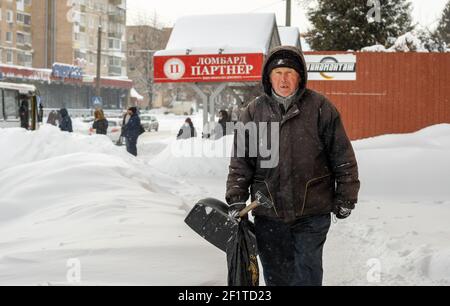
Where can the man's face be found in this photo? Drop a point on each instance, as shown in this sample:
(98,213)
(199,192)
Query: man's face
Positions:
(285,81)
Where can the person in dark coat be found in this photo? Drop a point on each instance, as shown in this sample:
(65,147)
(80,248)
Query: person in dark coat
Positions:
(187,131)
(312,172)
(41,113)
(66,122)
(132,131)
(24,115)
(100,124)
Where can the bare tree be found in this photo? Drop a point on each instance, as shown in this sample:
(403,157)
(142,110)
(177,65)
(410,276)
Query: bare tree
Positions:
(145,37)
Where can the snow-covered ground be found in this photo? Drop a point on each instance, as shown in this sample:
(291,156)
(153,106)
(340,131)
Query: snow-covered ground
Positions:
(69,198)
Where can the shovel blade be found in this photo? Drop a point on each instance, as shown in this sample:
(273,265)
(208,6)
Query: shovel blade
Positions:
(209,218)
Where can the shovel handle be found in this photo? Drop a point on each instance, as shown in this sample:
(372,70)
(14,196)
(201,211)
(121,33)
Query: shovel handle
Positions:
(248,209)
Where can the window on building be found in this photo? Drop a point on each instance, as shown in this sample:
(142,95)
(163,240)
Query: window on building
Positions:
(24,59)
(9,57)
(115,44)
(115,61)
(9,37)
(10,16)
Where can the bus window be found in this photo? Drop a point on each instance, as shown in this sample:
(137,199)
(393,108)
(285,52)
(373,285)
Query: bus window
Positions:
(11,105)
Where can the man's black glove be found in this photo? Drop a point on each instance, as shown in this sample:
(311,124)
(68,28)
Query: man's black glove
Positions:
(342,209)
(235,209)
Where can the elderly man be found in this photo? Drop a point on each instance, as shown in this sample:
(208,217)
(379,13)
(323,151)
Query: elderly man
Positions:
(316,173)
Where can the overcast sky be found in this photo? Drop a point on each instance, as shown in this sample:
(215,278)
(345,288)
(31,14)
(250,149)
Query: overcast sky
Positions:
(425,11)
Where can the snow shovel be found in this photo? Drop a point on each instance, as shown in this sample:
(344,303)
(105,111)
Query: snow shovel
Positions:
(209,218)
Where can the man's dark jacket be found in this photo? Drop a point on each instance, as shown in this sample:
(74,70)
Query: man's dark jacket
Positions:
(317,167)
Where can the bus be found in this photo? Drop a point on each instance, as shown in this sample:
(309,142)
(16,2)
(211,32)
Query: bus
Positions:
(11,97)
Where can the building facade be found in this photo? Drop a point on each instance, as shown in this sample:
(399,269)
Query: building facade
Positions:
(67,32)
(15,32)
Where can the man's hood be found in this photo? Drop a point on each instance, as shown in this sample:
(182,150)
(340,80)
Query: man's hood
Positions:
(291,52)
(64,112)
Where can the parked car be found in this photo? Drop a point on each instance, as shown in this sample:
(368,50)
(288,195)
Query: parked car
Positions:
(149,123)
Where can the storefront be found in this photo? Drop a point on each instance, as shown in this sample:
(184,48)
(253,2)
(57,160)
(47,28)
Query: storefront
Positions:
(66,86)
(206,55)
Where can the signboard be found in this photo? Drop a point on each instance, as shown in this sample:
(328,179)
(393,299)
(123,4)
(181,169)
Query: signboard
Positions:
(208,68)
(97,101)
(339,67)
(67,72)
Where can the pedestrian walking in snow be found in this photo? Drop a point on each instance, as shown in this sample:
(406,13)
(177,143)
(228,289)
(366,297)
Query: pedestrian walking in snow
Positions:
(316,173)
(132,131)
(187,131)
(65,123)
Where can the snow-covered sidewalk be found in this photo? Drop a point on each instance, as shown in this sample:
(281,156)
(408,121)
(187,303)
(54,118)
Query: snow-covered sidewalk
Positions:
(80,197)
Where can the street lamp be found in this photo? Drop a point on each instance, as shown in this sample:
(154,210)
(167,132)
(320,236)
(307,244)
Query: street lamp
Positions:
(99,58)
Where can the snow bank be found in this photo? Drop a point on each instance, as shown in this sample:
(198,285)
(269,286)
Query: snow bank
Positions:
(68,196)
(197,158)
(410,167)
(25,146)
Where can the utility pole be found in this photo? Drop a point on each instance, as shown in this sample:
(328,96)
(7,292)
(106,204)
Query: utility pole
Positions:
(99,59)
(288,13)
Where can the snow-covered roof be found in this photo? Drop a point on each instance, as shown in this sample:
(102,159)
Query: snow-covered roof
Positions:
(290,36)
(227,34)
(21,88)
(135,94)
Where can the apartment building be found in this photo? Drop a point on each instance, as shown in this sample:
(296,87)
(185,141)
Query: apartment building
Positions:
(67,32)
(15,32)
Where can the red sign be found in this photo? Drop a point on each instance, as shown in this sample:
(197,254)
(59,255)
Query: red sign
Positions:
(208,68)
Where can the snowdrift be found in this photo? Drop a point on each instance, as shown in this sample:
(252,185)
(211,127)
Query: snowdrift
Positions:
(68,196)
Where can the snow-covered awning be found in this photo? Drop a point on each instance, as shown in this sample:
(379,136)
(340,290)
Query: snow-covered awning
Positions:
(134,94)
(217,48)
